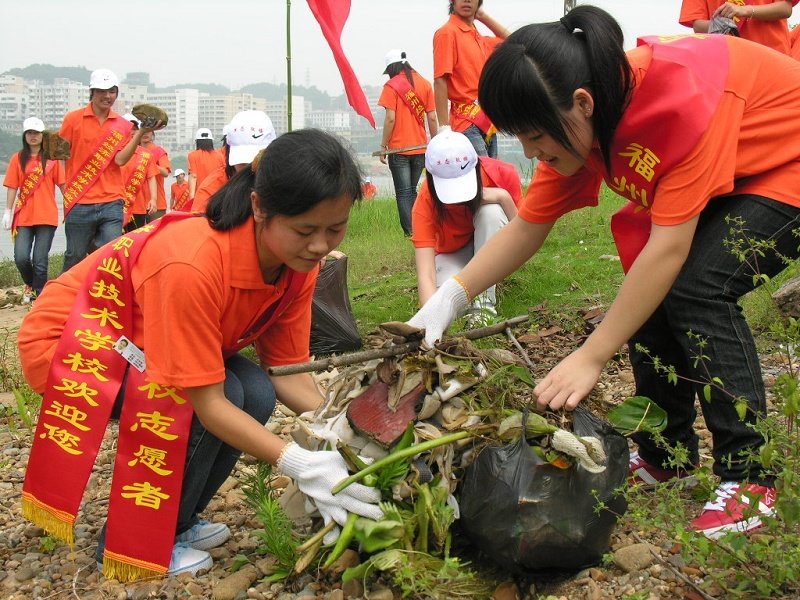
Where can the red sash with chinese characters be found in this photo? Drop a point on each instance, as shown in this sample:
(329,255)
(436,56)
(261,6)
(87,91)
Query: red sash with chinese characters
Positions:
(400,84)
(134,183)
(182,200)
(668,115)
(28,187)
(83,383)
(475,115)
(97,162)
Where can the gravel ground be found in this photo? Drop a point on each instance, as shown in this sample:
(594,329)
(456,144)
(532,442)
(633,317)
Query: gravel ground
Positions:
(31,568)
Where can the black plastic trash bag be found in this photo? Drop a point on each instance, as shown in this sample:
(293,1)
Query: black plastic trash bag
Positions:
(333,328)
(528,515)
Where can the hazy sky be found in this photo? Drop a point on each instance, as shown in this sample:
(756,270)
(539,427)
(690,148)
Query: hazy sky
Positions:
(236,42)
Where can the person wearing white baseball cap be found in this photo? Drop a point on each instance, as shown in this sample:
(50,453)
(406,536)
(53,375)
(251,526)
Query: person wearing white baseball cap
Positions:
(101,142)
(179,191)
(203,160)
(463,202)
(31,212)
(409,103)
(249,132)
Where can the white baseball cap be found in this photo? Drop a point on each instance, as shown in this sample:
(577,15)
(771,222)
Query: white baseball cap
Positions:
(103,79)
(248,132)
(451,160)
(179,172)
(394,55)
(32,124)
(203,134)
(132,119)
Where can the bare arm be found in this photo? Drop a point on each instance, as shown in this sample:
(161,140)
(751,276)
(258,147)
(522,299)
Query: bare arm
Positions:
(11,195)
(496,28)
(440,96)
(192,185)
(426,273)
(644,288)
(151,185)
(388,126)
(298,392)
(433,123)
(775,11)
(123,156)
(496,195)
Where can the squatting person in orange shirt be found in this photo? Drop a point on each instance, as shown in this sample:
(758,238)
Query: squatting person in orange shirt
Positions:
(408,100)
(760,21)
(31,212)
(692,177)
(463,202)
(110,338)
(459,53)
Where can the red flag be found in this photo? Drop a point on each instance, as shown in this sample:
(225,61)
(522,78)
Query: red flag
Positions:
(331,16)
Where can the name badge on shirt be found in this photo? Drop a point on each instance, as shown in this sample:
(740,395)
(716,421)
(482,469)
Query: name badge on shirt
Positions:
(130,352)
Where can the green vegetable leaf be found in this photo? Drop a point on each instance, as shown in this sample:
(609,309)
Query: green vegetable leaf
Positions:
(637,413)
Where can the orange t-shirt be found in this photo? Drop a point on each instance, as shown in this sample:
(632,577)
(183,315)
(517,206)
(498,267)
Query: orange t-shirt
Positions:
(142,197)
(177,190)
(456,230)
(211,184)
(82,129)
(407,129)
(40,207)
(737,154)
(197,291)
(460,51)
(794,43)
(163,161)
(202,163)
(773,34)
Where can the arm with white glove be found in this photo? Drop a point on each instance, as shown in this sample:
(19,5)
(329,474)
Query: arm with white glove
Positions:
(440,310)
(316,473)
(7,219)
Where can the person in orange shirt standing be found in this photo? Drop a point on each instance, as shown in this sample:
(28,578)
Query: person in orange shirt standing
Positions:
(249,132)
(202,161)
(179,192)
(187,401)
(139,175)
(693,177)
(464,201)
(100,143)
(761,21)
(459,53)
(163,168)
(31,212)
(408,100)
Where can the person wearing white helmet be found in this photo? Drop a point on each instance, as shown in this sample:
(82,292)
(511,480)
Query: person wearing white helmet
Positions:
(179,191)
(100,142)
(31,212)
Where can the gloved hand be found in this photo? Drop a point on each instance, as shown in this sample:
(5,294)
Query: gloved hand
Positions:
(7,219)
(440,310)
(316,473)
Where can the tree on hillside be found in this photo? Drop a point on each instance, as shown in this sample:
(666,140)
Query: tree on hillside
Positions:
(47,73)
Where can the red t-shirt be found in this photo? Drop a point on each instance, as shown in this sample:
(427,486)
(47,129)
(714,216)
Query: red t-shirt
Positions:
(210,185)
(197,291)
(460,51)
(455,230)
(407,130)
(773,34)
(40,207)
(737,154)
(163,161)
(142,197)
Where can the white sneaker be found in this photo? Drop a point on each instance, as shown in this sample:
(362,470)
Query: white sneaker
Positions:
(27,294)
(185,559)
(204,535)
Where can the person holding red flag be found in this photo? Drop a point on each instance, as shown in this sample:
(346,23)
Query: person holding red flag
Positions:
(31,212)
(701,183)
(110,339)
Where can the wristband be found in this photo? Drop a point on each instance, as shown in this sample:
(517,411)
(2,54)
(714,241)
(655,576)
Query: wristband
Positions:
(463,285)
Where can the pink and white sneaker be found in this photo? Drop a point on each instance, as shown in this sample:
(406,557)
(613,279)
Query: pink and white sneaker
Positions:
(647,476)
(736,507)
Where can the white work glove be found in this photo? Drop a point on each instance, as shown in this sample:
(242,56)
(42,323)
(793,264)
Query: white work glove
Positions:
(316,473)
(440,310)
(7,219)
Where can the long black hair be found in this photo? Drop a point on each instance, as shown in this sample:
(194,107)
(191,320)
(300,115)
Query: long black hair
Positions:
(473,204)
(531,77)
(206,144)
(297,171)
(25,153)
(401,67)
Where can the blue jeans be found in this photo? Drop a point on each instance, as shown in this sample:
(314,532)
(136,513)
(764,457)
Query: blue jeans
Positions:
(209,461)
(703,300)
(478,140)
(33,267)
(89,226)
(406,169)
